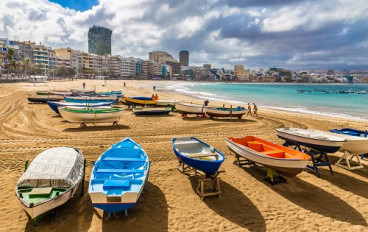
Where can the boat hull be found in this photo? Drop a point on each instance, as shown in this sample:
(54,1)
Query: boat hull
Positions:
(131,101)
(356,140)
(287,167)
(319,145)
(44,98)
(206,166)
(90,117)
(213,112)
(89,100)
(183,108)
(54,105)
(152,111)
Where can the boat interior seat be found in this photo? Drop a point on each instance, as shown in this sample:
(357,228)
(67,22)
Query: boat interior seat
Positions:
(186,142)
(113,184)
(275,153)
(124,159)
(105,170)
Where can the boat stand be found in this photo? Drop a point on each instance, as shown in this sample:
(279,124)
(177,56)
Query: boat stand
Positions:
(318,162)
(241,162)
(273,177)
(186,169)
(346,158)
(215,189)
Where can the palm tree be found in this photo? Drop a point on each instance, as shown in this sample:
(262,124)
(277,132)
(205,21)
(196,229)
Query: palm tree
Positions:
(25,64)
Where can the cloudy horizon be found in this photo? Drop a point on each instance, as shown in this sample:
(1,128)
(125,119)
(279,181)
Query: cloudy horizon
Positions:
(295,34)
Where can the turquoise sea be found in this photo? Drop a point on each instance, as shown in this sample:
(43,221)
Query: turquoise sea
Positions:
(322,99)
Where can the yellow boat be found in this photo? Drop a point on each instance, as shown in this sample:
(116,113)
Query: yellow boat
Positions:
(136,101)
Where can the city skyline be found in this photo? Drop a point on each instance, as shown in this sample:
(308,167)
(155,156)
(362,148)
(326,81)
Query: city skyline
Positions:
(291,34)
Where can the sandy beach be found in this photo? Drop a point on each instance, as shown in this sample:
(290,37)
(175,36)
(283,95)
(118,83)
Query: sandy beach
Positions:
(304,203)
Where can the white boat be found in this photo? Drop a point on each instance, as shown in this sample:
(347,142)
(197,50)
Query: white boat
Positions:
(362,92)
(167,102)
(316,139)
(91,115)
(186,108)
(51,180)
(354,144)
(226,112)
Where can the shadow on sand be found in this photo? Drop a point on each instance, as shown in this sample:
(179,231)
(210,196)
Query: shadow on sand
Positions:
(150,214)
(76,212)
(241,211)
(233,120)
(96,128)
(312,198)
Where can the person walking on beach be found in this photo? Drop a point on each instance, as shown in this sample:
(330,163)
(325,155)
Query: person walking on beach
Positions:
(249,110)
(84,85)
(255,109)
(206,102)
(154,88)
(124,84)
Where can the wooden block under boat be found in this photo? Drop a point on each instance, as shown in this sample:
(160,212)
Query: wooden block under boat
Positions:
(40,192)
(198,155)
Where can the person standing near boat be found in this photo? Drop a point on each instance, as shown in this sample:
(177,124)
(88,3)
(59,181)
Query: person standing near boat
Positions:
(249,110)
(84,85)
(255,109)
(206,102)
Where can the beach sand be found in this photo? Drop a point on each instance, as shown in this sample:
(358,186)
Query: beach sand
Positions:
(248,203)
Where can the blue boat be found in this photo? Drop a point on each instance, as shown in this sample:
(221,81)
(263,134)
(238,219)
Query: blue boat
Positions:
(119,177)
(54,105)
(198,154)
(141,98)
(85,99)
(350,131)
(119,92)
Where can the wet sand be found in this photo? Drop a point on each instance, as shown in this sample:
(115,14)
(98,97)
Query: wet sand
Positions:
(305,203)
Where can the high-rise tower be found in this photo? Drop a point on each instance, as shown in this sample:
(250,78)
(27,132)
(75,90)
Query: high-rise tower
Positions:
(184,58)
(99,40)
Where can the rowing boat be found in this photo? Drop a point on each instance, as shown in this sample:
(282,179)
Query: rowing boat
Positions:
(44,98)
(226,112)
(51,180)
(186,108)
(133,101)
(54,105)
(151,110)
(119,177)
(286,161)
(87,99)
(198,154)
(91,115)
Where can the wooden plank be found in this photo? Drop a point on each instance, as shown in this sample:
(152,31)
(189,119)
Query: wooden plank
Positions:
(198,155)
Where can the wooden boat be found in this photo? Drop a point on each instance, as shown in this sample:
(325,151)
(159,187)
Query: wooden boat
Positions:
(77,91)
(151,110)
(119,177)
(54,105)
(117,92)
(167,102)
(286,161)
(87,99)
(356,140)
(91,115)
(44,98)
(316,139)
(133,101)
(185,108)
(141,98)
(42,92)
(226,112)
(198,154)
(51,180)
(60,92)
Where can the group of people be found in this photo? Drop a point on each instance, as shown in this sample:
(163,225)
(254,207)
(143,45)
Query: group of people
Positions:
(250,111)
(255,109)
(154,97)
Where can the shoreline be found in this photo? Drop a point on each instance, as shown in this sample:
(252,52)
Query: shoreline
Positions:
(275,108)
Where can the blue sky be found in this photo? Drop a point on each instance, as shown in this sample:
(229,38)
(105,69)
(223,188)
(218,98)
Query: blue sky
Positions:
(81,5)
(295,34)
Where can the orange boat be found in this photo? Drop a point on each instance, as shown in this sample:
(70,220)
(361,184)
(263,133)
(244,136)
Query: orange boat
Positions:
(284,160)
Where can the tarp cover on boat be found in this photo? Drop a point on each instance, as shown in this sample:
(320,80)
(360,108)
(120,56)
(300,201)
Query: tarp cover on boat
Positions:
(56,167)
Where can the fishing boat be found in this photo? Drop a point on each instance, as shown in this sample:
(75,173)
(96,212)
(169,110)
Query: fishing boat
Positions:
(91,115)
(151,110)
(117,92)
(51,180)
(86,99)
(362,92)
(167,102)
(198,154)
(316,139)
(119,176)
(78,92)
(42,92)
(60,92)
(54,105)
(141,98)
(186,108)
(44,98)
(284,160)
(138,101)
(356,144)
(226,112)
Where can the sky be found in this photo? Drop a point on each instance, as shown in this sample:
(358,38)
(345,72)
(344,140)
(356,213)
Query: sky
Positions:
(295,34)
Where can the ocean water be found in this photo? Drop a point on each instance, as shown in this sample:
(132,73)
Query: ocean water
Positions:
(322,99)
